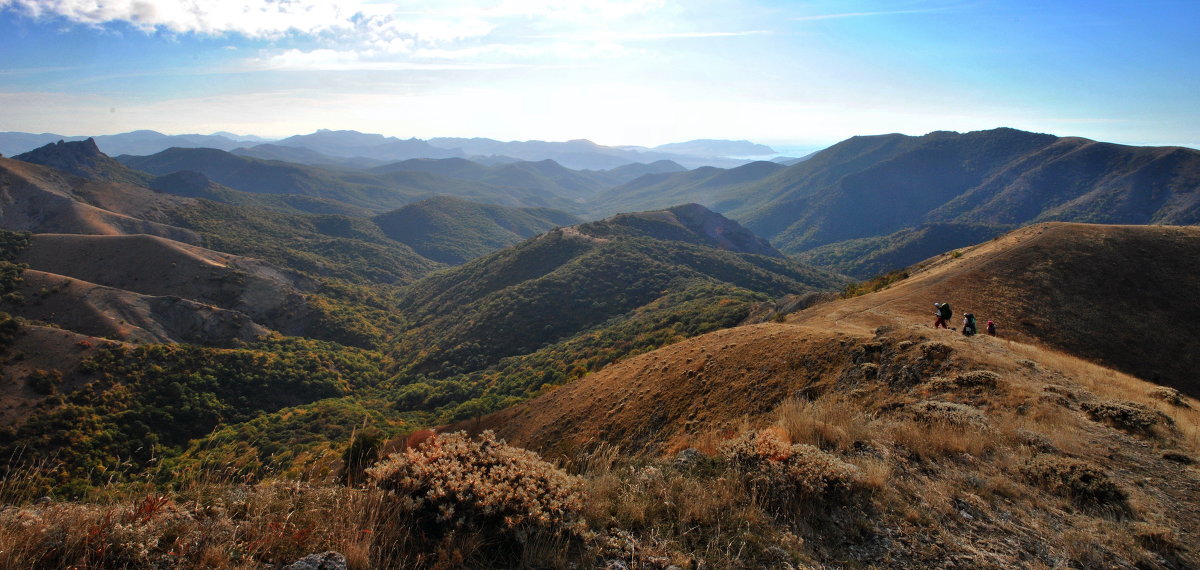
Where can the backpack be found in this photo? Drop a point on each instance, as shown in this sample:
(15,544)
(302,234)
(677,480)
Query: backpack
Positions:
(945,311)
(969,328)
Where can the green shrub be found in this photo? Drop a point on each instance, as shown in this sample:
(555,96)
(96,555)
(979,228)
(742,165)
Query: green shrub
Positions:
(44,382)
(874,284)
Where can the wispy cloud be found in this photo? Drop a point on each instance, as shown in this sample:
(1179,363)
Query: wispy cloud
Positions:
(19,71)
(651,36)
(335,60)
(869,14)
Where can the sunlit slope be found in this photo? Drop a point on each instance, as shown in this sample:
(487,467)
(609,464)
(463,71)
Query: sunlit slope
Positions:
(986,451)
(41,199)
(1120,295)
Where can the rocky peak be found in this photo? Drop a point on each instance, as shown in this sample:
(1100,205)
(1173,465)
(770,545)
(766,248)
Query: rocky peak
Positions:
(83,158)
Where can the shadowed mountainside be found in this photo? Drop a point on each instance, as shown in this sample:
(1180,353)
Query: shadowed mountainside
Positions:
(876,185)
(378,191)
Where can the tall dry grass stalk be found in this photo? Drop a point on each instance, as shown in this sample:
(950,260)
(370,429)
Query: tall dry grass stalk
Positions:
(829,422)
(1108,384)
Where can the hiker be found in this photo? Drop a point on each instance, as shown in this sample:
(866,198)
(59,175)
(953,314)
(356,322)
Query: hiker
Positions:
(969,325)
(943,313)
(991,328)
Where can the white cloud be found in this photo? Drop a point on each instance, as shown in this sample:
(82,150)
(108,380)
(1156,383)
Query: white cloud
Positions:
(256,19)
(430,20)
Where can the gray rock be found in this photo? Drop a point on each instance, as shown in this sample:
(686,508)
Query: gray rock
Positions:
(324,561)
(687,458)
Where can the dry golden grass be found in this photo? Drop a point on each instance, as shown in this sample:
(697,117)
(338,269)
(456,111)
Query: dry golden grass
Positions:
(212,526)
(1106,384)
(829,422)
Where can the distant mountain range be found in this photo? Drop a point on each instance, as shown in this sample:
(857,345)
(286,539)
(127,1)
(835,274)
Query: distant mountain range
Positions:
(913,196)
(864,206)
(355,149)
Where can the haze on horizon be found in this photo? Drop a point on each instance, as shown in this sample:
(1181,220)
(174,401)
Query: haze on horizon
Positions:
(788,74)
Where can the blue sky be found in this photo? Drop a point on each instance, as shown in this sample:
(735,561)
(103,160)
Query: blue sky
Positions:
(798,74)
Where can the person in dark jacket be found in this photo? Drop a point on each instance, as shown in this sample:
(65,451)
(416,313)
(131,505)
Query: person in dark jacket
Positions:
(943,313)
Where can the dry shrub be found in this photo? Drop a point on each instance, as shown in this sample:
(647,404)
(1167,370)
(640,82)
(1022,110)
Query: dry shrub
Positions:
(1084,483)
(828,422)
(984,378)
(876,473)
(934,428)
(1037,441)
(1169,395)
(936,351)
(451,482)
(782,472)
(1129,416)
(948,414)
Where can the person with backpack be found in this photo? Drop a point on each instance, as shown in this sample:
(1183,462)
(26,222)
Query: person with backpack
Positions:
(969,325)
(991,328)
(943,313)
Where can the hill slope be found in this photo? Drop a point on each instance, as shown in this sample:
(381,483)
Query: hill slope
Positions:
(452,231)
(42,199)
(690,223)
(1078,288)
(570,300)
(1034,456)
(874,186)
(1097,291)
(715,188)
(378,191)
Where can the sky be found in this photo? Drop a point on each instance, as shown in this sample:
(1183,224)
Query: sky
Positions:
(791,74)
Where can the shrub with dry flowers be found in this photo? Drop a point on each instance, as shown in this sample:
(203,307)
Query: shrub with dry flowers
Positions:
(453,482)
(781,471)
